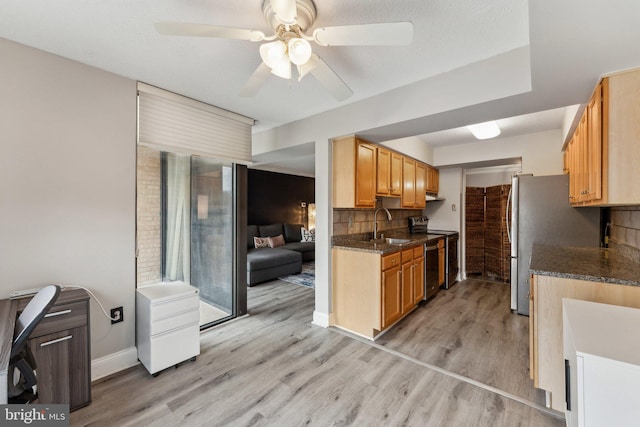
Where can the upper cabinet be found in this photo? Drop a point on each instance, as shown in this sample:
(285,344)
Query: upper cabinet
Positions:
(433,180)
(413,184)
(362,171)
(389,173)
(354,173)
(603,156)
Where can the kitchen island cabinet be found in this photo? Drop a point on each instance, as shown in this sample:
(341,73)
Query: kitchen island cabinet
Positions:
(589,274)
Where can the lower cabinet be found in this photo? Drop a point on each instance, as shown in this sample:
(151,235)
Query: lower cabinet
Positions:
(407,280)
(61,347)
(418,274)
(167,322)
(391,296)
(371,292)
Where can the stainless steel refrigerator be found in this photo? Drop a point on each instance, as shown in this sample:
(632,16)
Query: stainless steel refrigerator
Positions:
(541,213)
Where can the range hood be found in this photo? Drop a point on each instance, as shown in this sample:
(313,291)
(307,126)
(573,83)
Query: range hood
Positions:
(430,197)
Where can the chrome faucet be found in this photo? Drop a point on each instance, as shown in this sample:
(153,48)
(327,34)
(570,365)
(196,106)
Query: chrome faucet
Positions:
(375,222)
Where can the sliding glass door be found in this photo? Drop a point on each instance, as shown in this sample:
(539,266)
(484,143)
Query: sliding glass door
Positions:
(212,237)
(197,231)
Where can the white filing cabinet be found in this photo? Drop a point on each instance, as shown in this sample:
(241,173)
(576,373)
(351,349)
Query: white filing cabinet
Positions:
(602,363)
(167,322)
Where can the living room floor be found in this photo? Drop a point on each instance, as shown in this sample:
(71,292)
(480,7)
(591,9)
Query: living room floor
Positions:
(275,368)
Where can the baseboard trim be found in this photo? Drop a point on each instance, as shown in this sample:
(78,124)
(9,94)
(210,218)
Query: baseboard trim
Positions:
(320,319)
(112,363)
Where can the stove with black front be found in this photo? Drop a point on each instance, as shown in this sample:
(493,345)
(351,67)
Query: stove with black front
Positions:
(420,225)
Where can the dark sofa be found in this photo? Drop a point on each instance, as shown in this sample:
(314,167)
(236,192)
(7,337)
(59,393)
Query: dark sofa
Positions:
(269,263)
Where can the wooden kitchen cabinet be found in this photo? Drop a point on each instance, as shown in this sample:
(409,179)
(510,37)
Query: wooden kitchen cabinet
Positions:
(391,292)
(362,171)
(418,274)
(354,173)
(407,280)
(388,173)
(371,292)
(603,154)
(545,324)
(433,180)
(413,184)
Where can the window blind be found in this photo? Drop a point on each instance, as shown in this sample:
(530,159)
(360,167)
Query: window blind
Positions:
(171,122)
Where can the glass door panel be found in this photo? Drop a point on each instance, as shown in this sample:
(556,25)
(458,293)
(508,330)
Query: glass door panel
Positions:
(212,239)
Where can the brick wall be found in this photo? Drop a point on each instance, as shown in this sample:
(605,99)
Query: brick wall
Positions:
(353,221)
(148,209)
(625,230)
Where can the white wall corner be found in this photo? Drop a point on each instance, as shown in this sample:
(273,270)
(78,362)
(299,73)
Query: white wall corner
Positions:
(320,319)
(114,362)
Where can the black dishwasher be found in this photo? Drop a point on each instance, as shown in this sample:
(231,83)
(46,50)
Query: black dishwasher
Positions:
(431,262)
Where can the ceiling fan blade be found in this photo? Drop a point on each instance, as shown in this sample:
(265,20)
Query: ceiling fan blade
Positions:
(204,30)
(257,79)
(385,34)
(285,11)
(329,79)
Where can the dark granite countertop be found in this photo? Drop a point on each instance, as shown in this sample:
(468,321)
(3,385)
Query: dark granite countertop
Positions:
(362,242)
(585,263)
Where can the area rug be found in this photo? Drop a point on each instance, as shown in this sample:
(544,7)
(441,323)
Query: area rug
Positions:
(307,277)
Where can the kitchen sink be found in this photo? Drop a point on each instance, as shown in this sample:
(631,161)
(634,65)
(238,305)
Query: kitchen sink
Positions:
(392,241)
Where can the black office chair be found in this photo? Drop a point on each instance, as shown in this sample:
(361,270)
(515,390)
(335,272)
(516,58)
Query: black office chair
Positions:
(22,365)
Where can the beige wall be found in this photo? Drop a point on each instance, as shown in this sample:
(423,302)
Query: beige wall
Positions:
(67,183)
(541,152)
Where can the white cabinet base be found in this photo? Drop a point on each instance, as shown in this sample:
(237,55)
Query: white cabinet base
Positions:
(602,364)
(167,322)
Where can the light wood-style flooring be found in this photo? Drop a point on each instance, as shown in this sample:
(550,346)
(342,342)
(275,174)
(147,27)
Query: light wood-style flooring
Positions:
(274,368)
(469,329)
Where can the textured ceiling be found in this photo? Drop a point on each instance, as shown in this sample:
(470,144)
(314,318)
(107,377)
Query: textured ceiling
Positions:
(119,36)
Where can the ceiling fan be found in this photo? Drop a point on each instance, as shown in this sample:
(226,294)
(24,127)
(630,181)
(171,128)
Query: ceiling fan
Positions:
(289,45)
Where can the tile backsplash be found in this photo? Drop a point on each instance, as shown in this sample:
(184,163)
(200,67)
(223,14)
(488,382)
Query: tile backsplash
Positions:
(625,230)
(352,221)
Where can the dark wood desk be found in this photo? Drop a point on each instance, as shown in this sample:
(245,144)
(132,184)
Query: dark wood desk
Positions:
(61,346)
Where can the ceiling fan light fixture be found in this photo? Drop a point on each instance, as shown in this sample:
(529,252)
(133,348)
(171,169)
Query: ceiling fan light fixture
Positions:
(485,130)
(299,50)
(273,53)
(282,68)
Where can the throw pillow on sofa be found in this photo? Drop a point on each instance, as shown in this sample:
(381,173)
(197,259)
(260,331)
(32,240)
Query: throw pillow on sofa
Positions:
(308,235)
(261,242)
(276,241)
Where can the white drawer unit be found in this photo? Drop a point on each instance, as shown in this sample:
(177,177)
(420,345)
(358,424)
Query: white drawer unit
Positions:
(167,322)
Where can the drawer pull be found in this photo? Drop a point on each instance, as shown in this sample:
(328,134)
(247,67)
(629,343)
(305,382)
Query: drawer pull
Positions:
(57,313)
(44,344)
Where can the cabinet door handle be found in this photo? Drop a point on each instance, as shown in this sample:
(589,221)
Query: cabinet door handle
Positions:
(57,313)
(44,344)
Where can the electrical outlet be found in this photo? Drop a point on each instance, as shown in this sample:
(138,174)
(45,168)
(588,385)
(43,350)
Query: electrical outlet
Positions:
(117,314)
